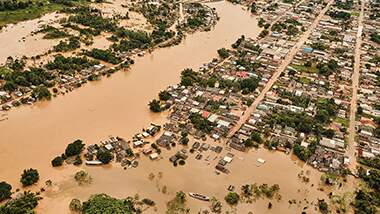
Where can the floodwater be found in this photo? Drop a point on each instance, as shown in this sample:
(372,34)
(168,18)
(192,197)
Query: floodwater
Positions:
(16,39)
(117,106)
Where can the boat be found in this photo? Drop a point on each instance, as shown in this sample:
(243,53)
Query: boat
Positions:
(199,196)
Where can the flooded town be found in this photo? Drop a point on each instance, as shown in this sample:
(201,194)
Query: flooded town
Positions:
(190,106)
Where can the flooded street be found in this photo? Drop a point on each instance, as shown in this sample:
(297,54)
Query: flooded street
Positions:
(33,135)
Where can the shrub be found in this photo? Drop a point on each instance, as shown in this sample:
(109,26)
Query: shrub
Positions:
(57,161)
(232,198)
(29,177)
(75,205)
(181,162)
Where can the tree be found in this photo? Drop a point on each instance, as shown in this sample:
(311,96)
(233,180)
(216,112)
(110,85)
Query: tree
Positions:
(248,85)
(104,156)
(57,161)
(41,93)
(232,198)
(164,95)
(10,86)
(255,136)
(29,177)
(184,140)
(154,106)
(181,162)
(253,8)
(188,77)
(102,203)
(323,207)
(74,148)
(21,205)
(223,53)
(5,190)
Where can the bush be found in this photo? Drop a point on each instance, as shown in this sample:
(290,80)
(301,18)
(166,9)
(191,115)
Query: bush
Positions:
(232,198)
(104,156)
(82,177)
(323,207)
(29,177)
(74,148)
(5,190)
(75,205)
(57,161)
(181,162)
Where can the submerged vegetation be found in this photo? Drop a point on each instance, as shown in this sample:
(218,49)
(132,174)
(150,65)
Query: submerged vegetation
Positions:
(20,205)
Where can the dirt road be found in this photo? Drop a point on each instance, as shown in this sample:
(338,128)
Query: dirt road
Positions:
(351,149)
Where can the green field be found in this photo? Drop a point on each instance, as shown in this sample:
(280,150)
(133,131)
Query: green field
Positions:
(302,68)
(38,9)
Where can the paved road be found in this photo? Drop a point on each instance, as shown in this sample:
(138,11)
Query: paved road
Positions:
(279,70)
(352,145)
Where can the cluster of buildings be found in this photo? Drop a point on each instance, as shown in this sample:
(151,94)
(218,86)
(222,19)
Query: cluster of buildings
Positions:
(308,107)
(368,114)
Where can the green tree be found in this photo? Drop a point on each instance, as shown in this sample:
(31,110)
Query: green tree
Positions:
(104,156)
(102,203)
(21,205)
(57,161)
(223,53)
(10,86)
(41,93)
(29,177)
(5,190)
(232,198)
(155,106)
(323,206)
(164,95)
(74,148)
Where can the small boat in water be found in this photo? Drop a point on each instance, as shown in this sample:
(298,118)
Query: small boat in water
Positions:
(199,196)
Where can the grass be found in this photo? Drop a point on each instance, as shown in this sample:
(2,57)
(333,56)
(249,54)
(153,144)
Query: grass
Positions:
(355,13)
(342,121)
(12,17)
(304,80)
(302,68)
(39,8)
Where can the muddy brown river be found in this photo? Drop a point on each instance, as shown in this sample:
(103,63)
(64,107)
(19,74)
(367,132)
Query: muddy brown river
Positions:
(33,135)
